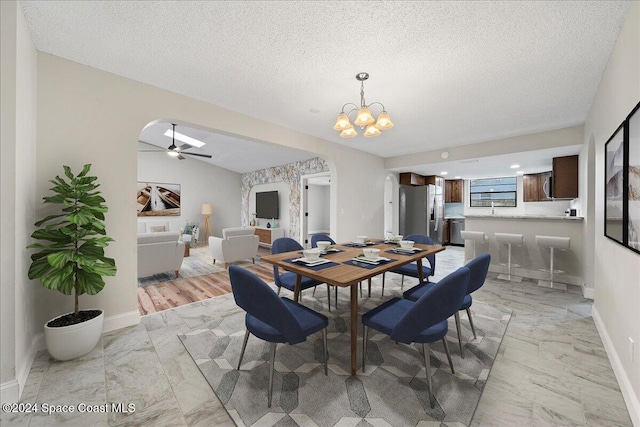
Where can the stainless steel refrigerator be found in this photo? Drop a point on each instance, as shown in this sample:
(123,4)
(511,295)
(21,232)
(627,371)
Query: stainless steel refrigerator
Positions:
(422,211)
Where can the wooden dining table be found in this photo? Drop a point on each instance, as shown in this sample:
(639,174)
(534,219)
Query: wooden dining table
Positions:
(344,274)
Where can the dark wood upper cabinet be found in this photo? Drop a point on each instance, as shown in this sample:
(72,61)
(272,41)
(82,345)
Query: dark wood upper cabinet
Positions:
(453,190)
(535,187)
(565,177)
(409,178)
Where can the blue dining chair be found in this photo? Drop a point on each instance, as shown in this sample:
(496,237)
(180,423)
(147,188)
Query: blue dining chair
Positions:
(288,280)
(479,267)
(423,321)
(411,269)
(315,238)
(273,319)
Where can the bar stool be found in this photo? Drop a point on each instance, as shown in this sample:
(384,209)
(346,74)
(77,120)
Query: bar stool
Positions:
(474,236)
(509,239)
(553,242)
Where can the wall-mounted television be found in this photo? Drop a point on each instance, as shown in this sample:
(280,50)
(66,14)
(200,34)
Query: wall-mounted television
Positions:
(267,205)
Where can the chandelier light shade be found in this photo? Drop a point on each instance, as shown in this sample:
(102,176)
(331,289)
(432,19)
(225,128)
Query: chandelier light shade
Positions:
(363,118)
(342,122)
(371,130)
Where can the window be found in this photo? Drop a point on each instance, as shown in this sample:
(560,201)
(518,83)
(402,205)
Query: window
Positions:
(493,192)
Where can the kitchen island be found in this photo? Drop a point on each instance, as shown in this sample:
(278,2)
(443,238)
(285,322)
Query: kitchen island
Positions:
(531,258)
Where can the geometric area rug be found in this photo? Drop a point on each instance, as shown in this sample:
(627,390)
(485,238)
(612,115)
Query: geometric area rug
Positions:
(392,391)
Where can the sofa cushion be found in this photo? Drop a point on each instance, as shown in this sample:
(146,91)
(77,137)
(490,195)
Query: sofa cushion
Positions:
(167,236)
(237,231)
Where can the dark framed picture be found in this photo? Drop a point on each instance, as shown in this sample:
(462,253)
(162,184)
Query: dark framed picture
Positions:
(158,199)
(614,171)
(633,179)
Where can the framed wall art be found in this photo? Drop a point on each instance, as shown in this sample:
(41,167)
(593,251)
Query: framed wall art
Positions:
(158,199)
(633,180)
(622,183)
(614,154)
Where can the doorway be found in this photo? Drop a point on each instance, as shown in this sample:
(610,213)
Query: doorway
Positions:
(315,206)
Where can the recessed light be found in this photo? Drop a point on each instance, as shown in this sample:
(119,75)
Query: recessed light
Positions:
(515,166)
(444,173)
(457,177)
(444,154)
(520,172)
(186,139)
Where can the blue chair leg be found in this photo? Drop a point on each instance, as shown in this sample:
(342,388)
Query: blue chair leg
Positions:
(402,282)
(244,346)
(326,353)
(272,359)
(365,332)
(427,366)
(457,316)
(471,323)
(382,285)
(446,349)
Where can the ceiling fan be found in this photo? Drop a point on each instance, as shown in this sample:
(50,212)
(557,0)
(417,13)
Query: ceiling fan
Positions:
(175,151)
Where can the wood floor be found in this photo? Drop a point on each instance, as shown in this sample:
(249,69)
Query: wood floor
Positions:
(174,293)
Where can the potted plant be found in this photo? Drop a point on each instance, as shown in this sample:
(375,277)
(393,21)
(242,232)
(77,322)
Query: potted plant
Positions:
(70,258)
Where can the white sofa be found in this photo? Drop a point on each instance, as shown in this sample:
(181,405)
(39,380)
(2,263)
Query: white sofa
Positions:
(159,252)
(236,244)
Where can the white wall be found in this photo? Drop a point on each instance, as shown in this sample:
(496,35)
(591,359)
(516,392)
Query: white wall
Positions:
(318,199)
(283,204)
(616,269)
(200,182)
(18,323)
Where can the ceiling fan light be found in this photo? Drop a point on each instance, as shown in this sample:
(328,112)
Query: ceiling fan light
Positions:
(173,153)
(364,117)
(342,122)
(371,131)
(348,133)
(384,121)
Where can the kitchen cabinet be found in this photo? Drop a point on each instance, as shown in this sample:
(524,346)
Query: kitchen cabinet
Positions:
(535,187)
(445,232)
(565,177)
(409,178)
(453,191)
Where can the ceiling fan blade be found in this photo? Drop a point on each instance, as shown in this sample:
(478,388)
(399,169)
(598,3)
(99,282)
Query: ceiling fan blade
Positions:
(180,157)
(152,151)
(185,147)
(199,155)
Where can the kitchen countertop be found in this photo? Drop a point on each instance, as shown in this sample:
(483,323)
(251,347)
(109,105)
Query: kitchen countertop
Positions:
(537,217)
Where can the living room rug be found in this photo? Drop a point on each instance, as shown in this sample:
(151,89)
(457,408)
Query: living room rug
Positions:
(392,391)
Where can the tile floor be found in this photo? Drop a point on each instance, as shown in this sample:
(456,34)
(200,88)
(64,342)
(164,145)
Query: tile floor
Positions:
(551,368)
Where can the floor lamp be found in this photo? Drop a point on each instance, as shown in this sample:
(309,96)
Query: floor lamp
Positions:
(206,210)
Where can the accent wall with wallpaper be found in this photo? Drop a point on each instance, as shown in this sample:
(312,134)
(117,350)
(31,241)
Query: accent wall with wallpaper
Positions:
(285,179)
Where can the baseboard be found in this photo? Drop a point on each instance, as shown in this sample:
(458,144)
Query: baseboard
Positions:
(630,398)
(10,392)
(119,321)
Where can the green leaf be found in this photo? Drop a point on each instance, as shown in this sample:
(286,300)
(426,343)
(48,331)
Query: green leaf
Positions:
(60,259)
(49,218)
(39,268)
(50,235)
(81,217)
(60,280)
(67,172)
(89,283)
(85,170)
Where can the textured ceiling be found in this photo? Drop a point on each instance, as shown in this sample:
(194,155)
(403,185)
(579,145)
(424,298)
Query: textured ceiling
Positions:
(448,73)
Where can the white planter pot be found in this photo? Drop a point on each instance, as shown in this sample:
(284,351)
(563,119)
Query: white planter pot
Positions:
(69,342)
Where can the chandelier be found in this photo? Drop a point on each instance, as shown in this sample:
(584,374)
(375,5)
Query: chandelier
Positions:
(364,119)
